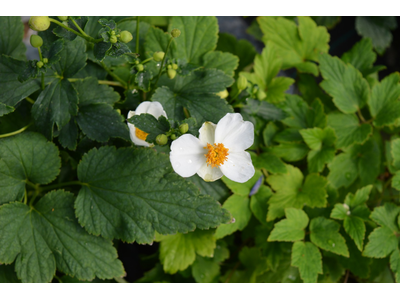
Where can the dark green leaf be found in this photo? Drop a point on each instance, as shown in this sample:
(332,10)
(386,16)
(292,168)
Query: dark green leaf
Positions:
(11,35)
(100,49)
(72,58)
(5,109)
(66,34)
(262,109)
(149,124)
(259,203)
(69,134)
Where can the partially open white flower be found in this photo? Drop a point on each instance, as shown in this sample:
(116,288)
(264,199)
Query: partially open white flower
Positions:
(138,136)
(218,151)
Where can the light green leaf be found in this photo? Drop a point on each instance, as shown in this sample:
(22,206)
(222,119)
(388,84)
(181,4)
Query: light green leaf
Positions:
(55,106)
(359,198)
(378,29)
(291,192)
(395,264)
(259,203)
(26,156)
(395,151)
(73,58)
(116,202)
(324,234)
(226,62)
(340,211)
(290,152)
(254,262)
(348,129)
(350,91)
(327,21)
(199,35)
(178,251)
(386,216)
(343,170)
(292,228)
(269,162)
(242,189)
(396,181)
(239,207)
(205,270)
(298,46)
(355,227)
(48,236)
(11,35)
(308,259)
(384,103)
(382,242)
(196,92)
(256,108)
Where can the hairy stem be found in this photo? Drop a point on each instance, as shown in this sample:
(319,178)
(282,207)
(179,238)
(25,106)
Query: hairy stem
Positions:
(162,63)
(86,37)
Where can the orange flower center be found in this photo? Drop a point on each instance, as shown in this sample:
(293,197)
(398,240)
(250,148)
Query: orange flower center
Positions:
(217,154)
(140,134)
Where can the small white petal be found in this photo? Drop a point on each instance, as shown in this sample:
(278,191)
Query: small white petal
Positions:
(238,167)
(207,133)
(154,108)
(187,155)
(234,133)
(132,133)
(209,174)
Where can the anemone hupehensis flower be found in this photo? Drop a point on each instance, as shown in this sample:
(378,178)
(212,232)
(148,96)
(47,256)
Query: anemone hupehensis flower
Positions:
(218,151)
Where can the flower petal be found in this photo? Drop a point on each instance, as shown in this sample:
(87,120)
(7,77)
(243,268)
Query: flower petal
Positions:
(209,174)
(234,133)
(238,167)
(154,108)
(207,133)
(132,133)
(187,155)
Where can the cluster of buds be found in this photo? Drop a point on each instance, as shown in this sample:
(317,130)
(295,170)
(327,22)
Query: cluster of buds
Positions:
(171,70)
(162,139)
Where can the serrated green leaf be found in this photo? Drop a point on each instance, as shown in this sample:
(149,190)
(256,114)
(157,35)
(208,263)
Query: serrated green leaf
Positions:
(119,204)
(378,29)
(332,269)
(269,162)
(288,135)
(240,48)
(157,40)
(311,91)
(11,35)
(348,129)
(196,92)
(242,189)
(324,234)
(226,62)
(68,135)
(100,50)
(8,275)
(48,236)
(216,189)
(239,207)
(259,203)
(386,216)
(350,91)
(298,46)
(205,270)
(5,109)
(395,151)
(26,156)
(340,211)
(143,80)
(396,181)
(290,152)
(355,227)
(384,103)
(327,21)
(178,251)
(308,259)
(199,35)
(55,106)
(292,192)
(395,264)
(359,198)
(76,50)
(66,34)
(343,170)
(382,242)
(150,125)
(254,262)
(292,228)
(262,109)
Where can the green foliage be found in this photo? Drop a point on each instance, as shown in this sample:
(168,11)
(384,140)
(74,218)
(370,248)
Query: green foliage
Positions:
(308,259)
(292,228)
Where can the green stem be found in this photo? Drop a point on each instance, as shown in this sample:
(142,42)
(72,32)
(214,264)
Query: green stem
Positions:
(88,38)
(137,34)
(25,198)
(162,63)
(30,100)
(15,132)
(114,83)
(113,75)
(79,28)
(360,115)
(147,60)
(41,59)
(35,186)
(58,185)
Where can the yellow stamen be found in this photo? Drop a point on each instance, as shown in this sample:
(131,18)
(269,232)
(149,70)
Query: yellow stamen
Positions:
(140,134)
(217,154)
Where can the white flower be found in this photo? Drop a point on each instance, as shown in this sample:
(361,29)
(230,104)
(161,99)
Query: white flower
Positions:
(218,151)
(138,136)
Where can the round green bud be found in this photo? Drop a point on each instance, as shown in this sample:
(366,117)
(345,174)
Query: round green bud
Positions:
(183,128)
(126,36)
(223,94)
(175,66)
(261,95)
(242,82)
(112,32)
(169,67)
(63,18)
(173,136)
(137,62)
(113,39)
(118,110)
(175,33)
(36,41)
(161,139)
(45,60)
(139,67)
(171,73)
(39,64)
(158,56)
(39,23)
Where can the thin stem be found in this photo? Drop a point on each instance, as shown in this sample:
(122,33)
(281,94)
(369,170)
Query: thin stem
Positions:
(30,100)
(25,198)
(35,186)
(162,63)
(55,186)
(79,28)
(137,34)
(15,132)
(360,115)
(347,276)
(41,59)
(114,83)
(147,60)
(113,75)
(88,38)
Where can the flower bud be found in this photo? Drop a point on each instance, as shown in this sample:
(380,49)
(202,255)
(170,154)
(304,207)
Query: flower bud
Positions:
(36,41)
(39,64)
(173,136)
(158,56)
(118,110)
(113,39)
(126,36)
(171,73)
(169,67)
(175,33)
(39,23)
(183,128)
(175,66)
(261,95)
(139,67)
(63,18)
(242,82)
(161,139)
(223,94)
(112,32)
(45,60)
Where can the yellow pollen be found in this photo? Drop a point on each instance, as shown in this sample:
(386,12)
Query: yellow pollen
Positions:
(217,154)
(140,134)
